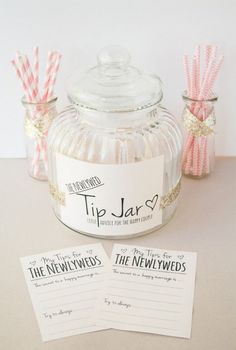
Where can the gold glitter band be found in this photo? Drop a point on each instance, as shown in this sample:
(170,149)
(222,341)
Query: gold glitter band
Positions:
(166,200)
(39,126)
(171,196)
(197,127)
(56,194)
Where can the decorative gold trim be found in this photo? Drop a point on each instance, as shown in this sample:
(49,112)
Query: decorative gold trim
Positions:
(56,194)
(166,200)
(171,196)
(197,127)
(39,126)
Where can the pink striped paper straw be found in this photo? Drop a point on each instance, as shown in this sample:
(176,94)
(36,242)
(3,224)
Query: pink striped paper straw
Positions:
(204,91)
(209,49)
(49,68)
(213,76)
(36,67)
(198,67)
(28,77)
(196,152)
(207,93)
(193,85)
(187,72)
(205,83)
(25,87)
(194,96)
(43,147)
(195,159)
(53,77)
(36,158)
(206,156)
(187,147)
(188,164)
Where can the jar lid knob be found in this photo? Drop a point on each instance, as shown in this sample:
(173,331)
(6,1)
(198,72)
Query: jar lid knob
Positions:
(115,85)
(115,56)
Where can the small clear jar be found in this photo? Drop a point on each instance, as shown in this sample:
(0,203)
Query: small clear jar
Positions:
(199,148)
(38,118)
(115,153)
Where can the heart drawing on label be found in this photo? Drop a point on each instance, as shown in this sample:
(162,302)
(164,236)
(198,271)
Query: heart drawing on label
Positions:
(151,203)
(123,250)
(180,256)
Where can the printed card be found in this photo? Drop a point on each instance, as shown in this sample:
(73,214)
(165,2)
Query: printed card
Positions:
(150,290)
(64,286)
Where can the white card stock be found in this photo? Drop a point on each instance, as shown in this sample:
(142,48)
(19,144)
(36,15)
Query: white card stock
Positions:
(79,290)
(64,286)
(149,290)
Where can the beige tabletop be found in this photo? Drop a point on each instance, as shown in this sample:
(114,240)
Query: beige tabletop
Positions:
(205,222)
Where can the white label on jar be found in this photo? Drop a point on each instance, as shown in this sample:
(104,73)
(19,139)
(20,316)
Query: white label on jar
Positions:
(111,199)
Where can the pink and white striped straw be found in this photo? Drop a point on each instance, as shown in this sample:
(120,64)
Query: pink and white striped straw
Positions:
(53,77)
(36,66)
(196,150)
(213,76)
(187,72)
(24,83)
(49,68)
(198,68)
(29,77)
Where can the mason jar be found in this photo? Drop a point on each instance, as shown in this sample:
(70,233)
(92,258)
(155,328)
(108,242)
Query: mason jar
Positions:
(199,123)
(37,121)
(115,152)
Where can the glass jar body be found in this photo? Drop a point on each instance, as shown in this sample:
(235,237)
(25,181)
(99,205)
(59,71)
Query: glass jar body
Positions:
(37,121)
(199,127)
(117,139)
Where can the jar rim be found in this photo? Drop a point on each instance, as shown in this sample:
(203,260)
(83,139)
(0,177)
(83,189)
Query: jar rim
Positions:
(125,110)
(213,98)
(40,103)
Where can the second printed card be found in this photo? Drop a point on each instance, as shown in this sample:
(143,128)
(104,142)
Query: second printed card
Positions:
(149,290)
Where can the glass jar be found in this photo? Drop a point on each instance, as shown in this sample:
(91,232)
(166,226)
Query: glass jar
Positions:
(115,153)
(199,148)
(38,118)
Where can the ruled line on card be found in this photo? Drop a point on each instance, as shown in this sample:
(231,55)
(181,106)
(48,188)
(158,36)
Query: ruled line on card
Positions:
(83,308)
(158,310)
(139,324)
(69,287)
(69,295)
(145,291)
(71,303)
(140,316)
(149,300)
(146,284)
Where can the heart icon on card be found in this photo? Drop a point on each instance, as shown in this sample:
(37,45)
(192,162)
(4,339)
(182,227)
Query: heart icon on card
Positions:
(180,256)
(123,250)
(151,203)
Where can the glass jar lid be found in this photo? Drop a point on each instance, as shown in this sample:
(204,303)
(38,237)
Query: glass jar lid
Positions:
(114,85)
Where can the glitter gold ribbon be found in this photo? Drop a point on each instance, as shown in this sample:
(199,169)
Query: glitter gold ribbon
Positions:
(171,196)
(39,126)
(166,200)
(56,194)
(197,127)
